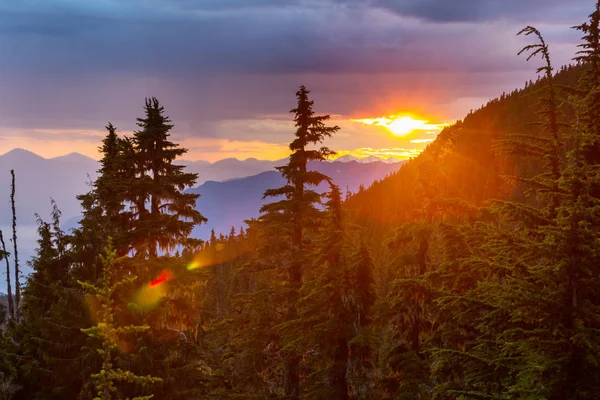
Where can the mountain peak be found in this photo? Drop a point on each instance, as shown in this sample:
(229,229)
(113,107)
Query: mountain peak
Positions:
(366,160)
(74,156)
(18,152)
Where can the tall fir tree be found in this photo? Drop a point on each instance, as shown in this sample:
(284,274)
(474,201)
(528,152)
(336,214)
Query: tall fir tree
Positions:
(166,214)
(297,212)
(326,318)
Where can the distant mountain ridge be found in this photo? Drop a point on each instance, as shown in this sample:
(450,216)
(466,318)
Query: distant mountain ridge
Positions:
(62,178)
(227,204)
(38,179)
(366,160)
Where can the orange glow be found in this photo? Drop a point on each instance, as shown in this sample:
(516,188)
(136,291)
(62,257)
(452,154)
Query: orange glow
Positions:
(149,296)
(93,307)
(206,258)
(200,260)
(401,125)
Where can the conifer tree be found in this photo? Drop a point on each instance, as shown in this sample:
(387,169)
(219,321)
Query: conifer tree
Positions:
(362,300)
(109,185)
(327,321)
(589,57)
(111,333)
(7,365)
(297,212)
(105,208)
(47,338)
(548,149)
(170,215)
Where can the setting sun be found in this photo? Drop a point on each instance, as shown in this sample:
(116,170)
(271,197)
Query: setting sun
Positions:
(401,125)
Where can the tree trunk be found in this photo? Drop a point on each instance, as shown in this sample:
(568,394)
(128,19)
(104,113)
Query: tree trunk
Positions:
(291,376)
(16,254)
(291,365)
(338,380)
(11,307)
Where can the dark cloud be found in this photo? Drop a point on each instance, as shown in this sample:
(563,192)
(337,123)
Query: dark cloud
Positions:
(307,37)
(430,10)
(485,10)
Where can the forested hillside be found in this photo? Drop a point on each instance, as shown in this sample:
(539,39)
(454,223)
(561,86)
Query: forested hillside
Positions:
(471,273)
(463,162)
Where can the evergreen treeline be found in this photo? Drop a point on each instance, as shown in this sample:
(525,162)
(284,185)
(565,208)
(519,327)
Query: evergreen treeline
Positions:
(471,273)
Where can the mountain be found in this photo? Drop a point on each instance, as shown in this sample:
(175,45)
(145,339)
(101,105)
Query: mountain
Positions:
(38,179)
(232,168)
(366,160)
(229,168)
(229,203)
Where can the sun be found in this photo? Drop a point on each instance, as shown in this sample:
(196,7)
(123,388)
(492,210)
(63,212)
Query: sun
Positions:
(401,125)
(404,125)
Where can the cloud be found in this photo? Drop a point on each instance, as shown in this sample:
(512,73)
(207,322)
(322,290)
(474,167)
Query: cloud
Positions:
(221,66)
(160,38)
(483,10)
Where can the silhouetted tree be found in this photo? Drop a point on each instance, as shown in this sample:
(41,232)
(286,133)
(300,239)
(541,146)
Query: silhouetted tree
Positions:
(296,211)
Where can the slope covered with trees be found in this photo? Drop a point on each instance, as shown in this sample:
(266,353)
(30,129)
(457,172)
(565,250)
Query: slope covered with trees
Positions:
(471,273)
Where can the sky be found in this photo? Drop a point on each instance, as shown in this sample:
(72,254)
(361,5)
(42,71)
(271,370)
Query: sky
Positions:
(226,71)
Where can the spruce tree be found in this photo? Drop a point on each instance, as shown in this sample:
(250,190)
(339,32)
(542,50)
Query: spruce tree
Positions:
(296,212)
(361,303)
(589,57)
(170,216)
(549,149)
(111,333)
(326,318)
(48,341)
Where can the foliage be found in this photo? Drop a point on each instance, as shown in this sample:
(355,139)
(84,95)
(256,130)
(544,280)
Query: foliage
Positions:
(110,333)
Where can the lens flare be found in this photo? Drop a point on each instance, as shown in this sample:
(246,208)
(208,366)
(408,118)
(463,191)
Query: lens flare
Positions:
(149,296)
(206,258)
(196,263)
(164,276)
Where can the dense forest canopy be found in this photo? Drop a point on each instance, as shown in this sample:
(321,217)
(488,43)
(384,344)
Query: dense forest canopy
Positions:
(471,273)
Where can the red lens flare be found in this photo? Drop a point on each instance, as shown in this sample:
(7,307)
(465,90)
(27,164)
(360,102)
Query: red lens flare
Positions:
(164,276)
